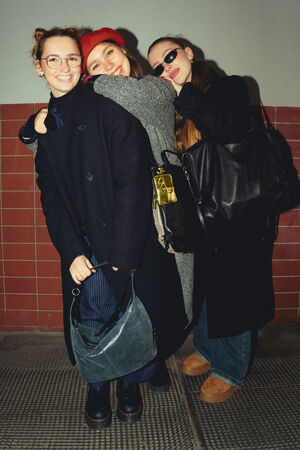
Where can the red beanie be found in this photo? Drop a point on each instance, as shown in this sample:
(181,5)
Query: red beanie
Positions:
(90,40)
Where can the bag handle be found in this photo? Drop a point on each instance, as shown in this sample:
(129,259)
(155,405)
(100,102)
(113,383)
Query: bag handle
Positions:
(165,159)
(121,307)
(198,203)
(197,200)
(266,117)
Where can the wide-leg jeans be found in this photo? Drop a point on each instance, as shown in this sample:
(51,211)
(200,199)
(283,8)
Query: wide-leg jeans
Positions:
(229,357)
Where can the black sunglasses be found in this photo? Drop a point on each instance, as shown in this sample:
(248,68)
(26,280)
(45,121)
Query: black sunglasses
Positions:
(167,59)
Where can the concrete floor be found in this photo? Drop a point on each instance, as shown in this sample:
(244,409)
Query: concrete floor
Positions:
(42,401)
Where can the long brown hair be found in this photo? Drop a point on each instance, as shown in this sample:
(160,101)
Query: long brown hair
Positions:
(41,35)
(186,133)
(136,70)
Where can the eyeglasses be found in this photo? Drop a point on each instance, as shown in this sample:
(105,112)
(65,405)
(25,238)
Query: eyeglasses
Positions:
(55,61)
(167,59)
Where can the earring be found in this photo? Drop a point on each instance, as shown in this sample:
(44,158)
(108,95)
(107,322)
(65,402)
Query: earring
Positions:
(41,74)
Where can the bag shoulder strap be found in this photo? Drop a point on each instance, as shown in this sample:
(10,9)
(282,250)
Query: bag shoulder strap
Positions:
(267,119)
(198,206)
(121,306)
(165,159)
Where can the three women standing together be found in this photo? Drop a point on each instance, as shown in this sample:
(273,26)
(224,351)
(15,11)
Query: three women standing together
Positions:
(93,163)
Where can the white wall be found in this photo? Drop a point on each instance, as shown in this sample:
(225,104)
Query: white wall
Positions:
(254,38)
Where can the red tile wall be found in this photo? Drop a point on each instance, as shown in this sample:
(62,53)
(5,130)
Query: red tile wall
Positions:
(30,289)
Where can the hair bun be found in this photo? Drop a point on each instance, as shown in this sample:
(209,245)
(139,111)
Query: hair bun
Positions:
(38,34)
(72,30)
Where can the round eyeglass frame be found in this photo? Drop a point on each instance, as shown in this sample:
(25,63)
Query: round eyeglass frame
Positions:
(59,61)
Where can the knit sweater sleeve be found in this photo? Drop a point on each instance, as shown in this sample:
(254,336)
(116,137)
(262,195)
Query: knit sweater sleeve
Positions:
(28,135)
(141,97)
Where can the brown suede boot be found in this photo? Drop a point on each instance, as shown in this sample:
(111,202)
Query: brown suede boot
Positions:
(194,365)
(214,390)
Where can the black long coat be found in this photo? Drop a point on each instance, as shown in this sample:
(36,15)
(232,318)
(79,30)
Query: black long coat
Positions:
(95,180)
(236,269)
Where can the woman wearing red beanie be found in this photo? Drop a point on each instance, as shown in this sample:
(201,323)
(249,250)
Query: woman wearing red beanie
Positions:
(150,99)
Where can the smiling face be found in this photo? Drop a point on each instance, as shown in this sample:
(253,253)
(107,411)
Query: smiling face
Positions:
(180,69)
(63,79)
(108,59)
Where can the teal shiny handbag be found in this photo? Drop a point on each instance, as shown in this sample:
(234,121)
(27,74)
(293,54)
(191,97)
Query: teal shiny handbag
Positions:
(125,344)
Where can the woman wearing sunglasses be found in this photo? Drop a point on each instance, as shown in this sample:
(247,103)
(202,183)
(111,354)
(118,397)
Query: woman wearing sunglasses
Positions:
(237,269)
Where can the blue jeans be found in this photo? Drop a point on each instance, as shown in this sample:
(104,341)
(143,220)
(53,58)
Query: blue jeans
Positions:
(229,357)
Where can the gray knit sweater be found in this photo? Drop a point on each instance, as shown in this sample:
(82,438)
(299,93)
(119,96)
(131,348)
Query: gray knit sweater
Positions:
(150,99)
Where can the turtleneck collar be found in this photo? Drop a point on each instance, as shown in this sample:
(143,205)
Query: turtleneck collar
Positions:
(62,103)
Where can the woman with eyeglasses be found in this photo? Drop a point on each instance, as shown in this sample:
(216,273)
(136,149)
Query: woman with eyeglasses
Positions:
(93,173)
(150,100)
(80,172)
(236,268)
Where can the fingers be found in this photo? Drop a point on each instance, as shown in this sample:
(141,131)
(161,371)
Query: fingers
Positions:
(39,124)
(80,269)
(115,268)
(90,266)
(76,280)
(79,276)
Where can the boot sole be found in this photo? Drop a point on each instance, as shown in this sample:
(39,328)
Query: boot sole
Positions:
(97,424)
(218,398)
(130,418)
(196,371)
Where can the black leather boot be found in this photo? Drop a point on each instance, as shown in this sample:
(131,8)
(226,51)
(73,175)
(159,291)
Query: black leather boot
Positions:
(160,382)
(130,404)
(98,411)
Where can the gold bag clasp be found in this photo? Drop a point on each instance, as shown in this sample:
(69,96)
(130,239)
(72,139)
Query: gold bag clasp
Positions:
(164,187)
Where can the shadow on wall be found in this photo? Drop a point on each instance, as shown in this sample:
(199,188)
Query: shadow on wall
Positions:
(131,44)
(251,83)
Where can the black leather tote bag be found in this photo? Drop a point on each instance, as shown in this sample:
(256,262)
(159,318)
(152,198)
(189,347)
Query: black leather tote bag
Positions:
(173,207)
(253,175)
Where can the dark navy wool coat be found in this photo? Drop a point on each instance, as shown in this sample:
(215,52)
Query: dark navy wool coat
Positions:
(95,180)
(236,267)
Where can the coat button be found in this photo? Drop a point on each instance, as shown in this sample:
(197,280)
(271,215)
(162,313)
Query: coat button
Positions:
(89,176)
(102,223)
(82,127)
